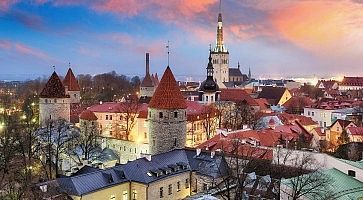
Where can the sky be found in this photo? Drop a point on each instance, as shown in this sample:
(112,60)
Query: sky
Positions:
(275,38)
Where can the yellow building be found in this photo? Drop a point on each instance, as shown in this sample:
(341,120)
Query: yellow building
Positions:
(173,175)
(333,135)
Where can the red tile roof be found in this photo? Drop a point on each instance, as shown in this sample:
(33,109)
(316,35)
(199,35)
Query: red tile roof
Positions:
(54,88)
(343,123)
(237,95)
(147,82)
(352,81)
(298,101)
(319,132)
(113,107)
(88,115)
(263,103)
(167,94)
(355,130)
(71,82)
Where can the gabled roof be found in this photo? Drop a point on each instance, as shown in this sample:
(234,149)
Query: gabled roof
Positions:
(88,115)
(71,82)
(54,88)
(147,82)
(355,130)
(237,95)
(168,95)
(272,94)
(343,123)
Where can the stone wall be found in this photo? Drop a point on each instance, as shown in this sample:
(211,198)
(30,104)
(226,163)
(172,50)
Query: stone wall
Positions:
(127,150)
(75,96)
(53,108)
(167,129)
(147,91)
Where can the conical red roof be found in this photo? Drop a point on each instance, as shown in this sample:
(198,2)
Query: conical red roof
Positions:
(167,94)
(70,81)
(88,115)
(54,88)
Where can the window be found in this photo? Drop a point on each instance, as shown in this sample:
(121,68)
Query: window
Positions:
(75,95)
(160,115)
(337,128)
(161,192)
(308,113)
(106,117)
(186,183)
(149,114)
(206,98)
(211,98)
(312,113)
(55,100)
(124,148)
(110,132)
(174,142)
(134,194)
(324,124)
(170,189)
(46,100)
(351,173)
(124,195)
(153,142)
(175,114)
(205,187)
(110,117)
(145,135)
(112,197)
(178,186)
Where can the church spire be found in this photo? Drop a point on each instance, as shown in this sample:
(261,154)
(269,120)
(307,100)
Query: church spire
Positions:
(249,73)
(210,69)
(220,42)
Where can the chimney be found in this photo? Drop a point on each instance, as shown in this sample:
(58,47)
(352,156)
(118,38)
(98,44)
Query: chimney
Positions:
(147,63)
(212,154)
(198,151)
(146,156)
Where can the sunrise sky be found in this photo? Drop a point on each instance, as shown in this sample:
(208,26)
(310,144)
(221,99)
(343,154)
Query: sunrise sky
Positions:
(276,38)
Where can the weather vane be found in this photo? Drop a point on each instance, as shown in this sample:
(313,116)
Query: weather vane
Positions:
(168,47)
(53,67)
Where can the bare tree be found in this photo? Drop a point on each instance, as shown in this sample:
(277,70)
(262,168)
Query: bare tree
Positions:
(307,177)
(54,142)
(209,115)
(87,141)
(128,116)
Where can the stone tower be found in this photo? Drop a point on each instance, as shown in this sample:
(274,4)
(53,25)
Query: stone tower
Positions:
(147,86)
(72,88)
(54,103)
(88,122)
(220,57)
(209,90)
(167,116)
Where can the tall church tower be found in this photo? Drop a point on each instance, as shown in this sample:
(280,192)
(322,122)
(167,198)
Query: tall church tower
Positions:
(167,116)
(220,56)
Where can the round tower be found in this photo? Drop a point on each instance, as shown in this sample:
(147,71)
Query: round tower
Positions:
(167,116)
(54,103)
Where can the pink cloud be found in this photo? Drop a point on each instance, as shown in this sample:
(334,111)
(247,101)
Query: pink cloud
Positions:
(6,4)
(23,49)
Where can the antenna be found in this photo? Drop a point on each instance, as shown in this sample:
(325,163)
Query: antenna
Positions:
(168,47)
(210,47)
(220,6)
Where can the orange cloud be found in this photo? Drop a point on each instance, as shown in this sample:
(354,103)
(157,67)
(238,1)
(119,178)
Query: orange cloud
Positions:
(324,27)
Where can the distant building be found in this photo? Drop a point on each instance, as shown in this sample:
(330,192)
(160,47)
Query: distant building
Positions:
(59,99)
(54,103)
(176,174)
(275,95)
(351,83)
(148,84)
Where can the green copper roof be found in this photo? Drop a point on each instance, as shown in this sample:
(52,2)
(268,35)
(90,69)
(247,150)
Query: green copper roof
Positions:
(342,186)
(358,164)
